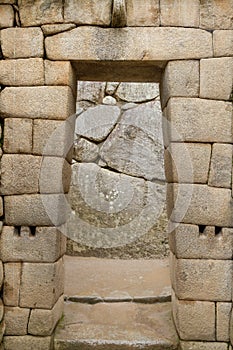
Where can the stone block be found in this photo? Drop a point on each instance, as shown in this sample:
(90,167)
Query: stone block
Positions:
(141,14)
(137,92)
(187,345)
(46,245)
(93,12)
(223,321)
(196,155)
(7,16)
(36,210)
(11,286)
(91,91)
(181,78)
(199,120)
(48,102)
(216,78)
(51,29)
(17,135)
(2,308)
(43,322)
(60,73)
(180,13)
(2,332)
(22,42)
(27,342)
(19,174)
(221,165)
(41,284)
(1,274)
(8,2)
(35,13)
(223,43)
(216,14)
(22,72)
(16,320)
(85,151)
(1,207)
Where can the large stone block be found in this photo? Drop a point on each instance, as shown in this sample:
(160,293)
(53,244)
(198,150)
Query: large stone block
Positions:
(46,245)
(17,135)
(223,42)
(41,284)
(22,72)
(12,273)
(22,42)
(16,320)
(27,342)
(180,13)
(221,165)
(137,92)
(186,345)
(48,102)
(6,16)
(216,78)
(60,73)
(141,14)
(216,14)
(223,321)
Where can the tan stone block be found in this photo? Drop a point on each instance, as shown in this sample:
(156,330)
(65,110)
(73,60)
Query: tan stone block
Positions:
(6,16)
(8,2)
(221,165)
(141,14)
(223,42)
(60,73)
(41,284)
(199,120)
(20,174)
(184,345)
(2,332)
(1,310)
(1,274)
(223,321)
(33,13)
(12,272)
(1,207)
(216,78)
(43,322)
(196,155)
(22,72)
(17,135)
(48,102)
(46,245)
(181,78)
(27,342)
(22,42)
(50,29)
(216,14)
(16,320)
(180,13)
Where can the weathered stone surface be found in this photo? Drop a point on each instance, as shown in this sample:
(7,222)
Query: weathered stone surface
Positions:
(223,42)
(1,274)
(16,320)
(41,284)
(180,13)
(12,273)
(111,88)
(51,29)
(49,102)
(2,332)
(1,310)
(216,14)
(17,135)
(1,207)
(22,42)
(141,14)
(47,245)
(221,165)
(20,174)
(33,13)
(151,44)
(119,15)
(60,73)
(135,147)
(137,92)
(97,122)
(109,100)
(22,72)
(90,91)
(89,12)
(197,155)
(43,322)
(85,151)
(216,78)
(27,342)
(223,321)
(181,78)
(203,346)
(8,2)
(6,16)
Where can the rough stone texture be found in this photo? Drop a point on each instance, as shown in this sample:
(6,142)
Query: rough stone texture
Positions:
(1,274)
(60,73)
(216,78)
(216,14)
(49,102)
(223,321)
(203,346)
(1,207)
(22,42)
(22,72)
(181,78)
(16,320)
(27,342)
(6,16)
(187,242)
(2,308)
(195,154)
(142,14)
(109,100)
(137,92)
(12,273)
(91,91)
(33,13)
(85,151)
(180,13)
(221,165)
(43,322)
(89,12)
(19,174)
(51,29)
(17,135)
(97,122)
(223,42)
(2,332)
(47,245)
(41,284)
